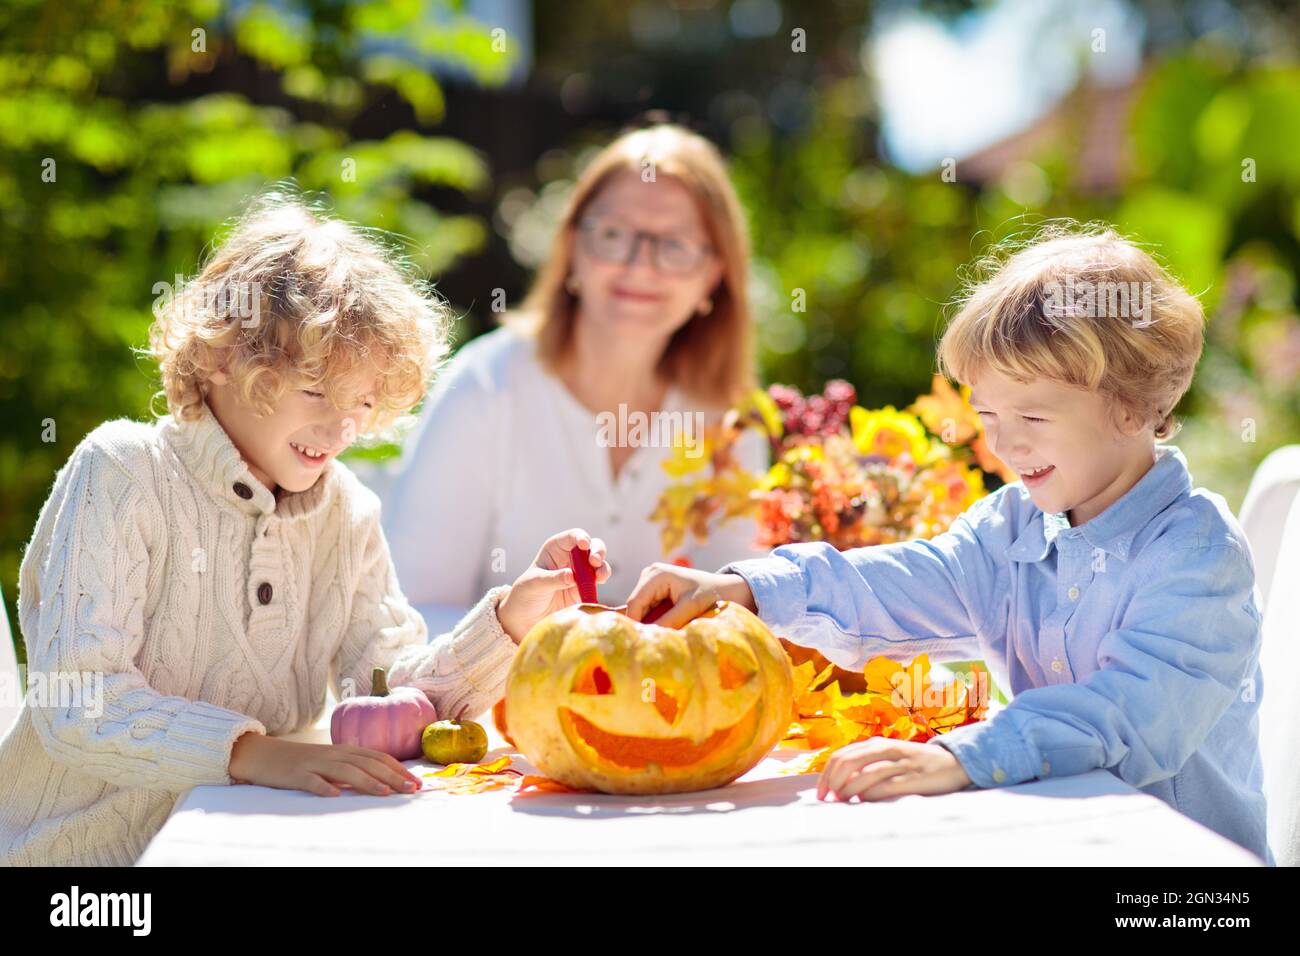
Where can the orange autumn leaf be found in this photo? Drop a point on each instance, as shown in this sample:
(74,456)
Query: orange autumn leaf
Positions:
(809,696)
(476,783)
(535,783)
(803,679)
(475,777)
(461,769)
(833,731)
(806,701)
(947,413)
(497,774)
(900,702)
(812,762)
(804,675)
(906,683)
(883,674)
(876,712)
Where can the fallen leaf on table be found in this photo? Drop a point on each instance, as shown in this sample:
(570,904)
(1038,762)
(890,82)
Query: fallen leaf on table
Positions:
(535,783)
(461,769)
(475,777)
(812,762)
(900,702)
(494,775)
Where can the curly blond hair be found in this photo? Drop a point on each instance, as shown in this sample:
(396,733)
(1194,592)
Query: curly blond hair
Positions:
(1084,306)
(293,298)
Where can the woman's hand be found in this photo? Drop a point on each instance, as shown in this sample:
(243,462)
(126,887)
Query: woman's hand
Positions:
(691,592)
(548,585)
(880,768)
(317,768)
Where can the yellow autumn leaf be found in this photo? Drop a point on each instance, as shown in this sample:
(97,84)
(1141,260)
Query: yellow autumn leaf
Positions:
(690,453)
(762,405)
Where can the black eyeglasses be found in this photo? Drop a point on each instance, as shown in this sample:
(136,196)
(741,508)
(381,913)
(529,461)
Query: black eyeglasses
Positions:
(612,242)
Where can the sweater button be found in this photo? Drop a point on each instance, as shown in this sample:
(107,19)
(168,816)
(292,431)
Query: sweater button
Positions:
(264,593)
(243,490)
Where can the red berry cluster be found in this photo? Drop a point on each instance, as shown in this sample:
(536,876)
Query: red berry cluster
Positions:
(816,415)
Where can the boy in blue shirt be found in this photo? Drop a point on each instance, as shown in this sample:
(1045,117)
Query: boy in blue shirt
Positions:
(1115,601)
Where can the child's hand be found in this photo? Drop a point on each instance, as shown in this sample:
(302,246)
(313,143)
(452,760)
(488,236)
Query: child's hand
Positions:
(548,586)
(317,768)
(691,592)
(880,768)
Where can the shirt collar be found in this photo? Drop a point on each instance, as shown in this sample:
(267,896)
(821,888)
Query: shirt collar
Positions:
(1114,529)
(209,454)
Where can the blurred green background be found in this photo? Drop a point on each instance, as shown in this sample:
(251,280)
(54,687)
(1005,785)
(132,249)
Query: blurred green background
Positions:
(877,147)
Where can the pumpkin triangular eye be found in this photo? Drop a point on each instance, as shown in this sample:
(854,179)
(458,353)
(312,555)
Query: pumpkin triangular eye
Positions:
(593,679)
(733,670)
(666,704)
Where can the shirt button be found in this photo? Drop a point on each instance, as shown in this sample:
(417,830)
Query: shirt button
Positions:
(1074,592)
(243,490)
(264,593)
(613,519)
(1057,666)
(1047,768)
(999,775)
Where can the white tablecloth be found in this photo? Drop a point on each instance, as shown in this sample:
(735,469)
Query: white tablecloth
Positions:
(765,817)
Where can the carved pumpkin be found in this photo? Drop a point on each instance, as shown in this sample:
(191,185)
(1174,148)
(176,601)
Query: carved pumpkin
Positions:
(391,721)
(599,701)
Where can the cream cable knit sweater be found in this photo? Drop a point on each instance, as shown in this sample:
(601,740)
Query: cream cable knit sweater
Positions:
(210,609)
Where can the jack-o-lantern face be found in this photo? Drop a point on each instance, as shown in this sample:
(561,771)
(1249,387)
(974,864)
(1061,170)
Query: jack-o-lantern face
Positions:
(599,701)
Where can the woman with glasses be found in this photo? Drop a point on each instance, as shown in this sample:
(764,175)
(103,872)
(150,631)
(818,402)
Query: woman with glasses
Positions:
(636,333)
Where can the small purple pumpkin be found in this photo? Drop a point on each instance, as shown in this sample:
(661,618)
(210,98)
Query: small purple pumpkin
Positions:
(388,721)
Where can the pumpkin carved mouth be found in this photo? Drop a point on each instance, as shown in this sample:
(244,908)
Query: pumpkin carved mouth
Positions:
(638,753)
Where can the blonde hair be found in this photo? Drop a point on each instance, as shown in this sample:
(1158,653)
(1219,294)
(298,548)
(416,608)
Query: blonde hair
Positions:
(1024,322)
(325,297)
(711,356)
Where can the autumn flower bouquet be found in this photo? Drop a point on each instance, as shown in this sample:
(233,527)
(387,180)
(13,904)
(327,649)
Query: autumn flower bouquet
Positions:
(840,473)
(852,477)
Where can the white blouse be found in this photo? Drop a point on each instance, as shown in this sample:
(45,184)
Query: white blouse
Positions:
(503,457)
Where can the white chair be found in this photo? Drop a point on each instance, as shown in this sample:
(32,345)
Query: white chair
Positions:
(1273,487)
(1279,716)
(10,685)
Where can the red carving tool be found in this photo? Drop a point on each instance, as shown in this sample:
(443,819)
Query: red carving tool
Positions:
(584,575)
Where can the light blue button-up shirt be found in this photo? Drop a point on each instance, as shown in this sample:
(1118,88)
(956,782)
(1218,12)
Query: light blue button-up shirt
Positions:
(1130,642)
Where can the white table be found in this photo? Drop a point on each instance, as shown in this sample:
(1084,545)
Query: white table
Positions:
(765,817)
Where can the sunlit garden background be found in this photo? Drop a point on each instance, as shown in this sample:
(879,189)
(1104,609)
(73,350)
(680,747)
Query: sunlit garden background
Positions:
(878,148)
